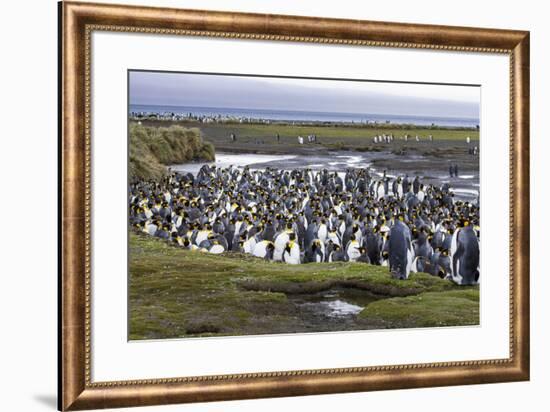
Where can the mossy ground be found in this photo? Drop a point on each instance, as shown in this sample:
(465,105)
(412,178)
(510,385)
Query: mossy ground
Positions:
(177,293)
(446,308)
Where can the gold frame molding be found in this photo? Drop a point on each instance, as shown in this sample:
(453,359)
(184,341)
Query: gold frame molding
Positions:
(77,21)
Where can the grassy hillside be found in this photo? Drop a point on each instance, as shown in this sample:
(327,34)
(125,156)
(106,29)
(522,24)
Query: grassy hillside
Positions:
(176,293)
(152,148)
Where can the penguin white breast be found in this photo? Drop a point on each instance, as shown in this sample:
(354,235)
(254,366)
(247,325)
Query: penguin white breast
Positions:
(332,236)
(292,258)
(217,249)
(281,241)
(342,228)
(322,232)
(202,235)
(252,243)
(353,252)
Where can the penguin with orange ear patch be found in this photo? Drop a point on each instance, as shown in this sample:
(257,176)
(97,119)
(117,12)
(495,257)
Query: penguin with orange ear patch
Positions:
(291,254)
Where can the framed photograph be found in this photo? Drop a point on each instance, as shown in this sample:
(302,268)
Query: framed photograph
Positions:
(264,205)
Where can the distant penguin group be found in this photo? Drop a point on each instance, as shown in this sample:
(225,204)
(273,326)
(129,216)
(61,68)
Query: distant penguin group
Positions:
(306,216)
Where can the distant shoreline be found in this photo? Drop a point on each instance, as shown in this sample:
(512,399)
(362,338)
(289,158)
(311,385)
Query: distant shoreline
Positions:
(302,118)
(371,125)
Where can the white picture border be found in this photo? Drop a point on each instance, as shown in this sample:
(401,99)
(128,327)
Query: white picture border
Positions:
(114,358)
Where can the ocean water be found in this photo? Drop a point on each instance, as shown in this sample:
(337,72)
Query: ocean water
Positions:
(304,116)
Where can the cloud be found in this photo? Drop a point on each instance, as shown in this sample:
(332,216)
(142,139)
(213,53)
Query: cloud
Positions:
(205,90)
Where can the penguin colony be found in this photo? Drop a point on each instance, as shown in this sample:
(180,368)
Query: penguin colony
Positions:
(302,216)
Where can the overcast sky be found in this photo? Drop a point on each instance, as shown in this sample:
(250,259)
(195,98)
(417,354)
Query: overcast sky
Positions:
(202,90)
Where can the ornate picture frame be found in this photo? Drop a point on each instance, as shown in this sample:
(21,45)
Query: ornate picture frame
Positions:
(77,22)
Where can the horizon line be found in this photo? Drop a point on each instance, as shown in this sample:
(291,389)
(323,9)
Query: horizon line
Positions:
(303,111)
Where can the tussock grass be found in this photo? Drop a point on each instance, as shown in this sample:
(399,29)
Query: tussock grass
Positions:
(152,148)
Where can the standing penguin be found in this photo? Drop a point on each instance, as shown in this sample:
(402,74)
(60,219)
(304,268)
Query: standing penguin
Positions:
(465,256)
(322,231)
(420,264)
(264,249)
(400,250)
(291,254)
(373,243)
(281,241)
(352,249)
(333,237)
(337,254)
(315,253)
(416,185)
(421,245)
(218,226)
(444,269)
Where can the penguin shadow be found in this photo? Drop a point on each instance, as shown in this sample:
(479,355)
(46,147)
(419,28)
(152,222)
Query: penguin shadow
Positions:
(47,400)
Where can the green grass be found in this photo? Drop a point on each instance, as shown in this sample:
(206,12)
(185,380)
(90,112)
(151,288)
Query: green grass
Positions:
(430,309)
(152,148)
(261,137)
(253,130)
(334,132)
(177,293)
